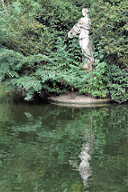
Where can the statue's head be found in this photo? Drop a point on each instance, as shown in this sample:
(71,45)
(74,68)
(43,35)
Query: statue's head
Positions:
(85,11)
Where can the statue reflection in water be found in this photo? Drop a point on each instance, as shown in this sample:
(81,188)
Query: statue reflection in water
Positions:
(84,167)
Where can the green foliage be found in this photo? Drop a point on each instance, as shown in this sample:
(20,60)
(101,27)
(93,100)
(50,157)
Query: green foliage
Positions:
(18,68)
(10,63)
(3,94)
(22,33)
(35,26)
(109,32)
(30,84)
(99,80)
(109,80)
(38,50)
(109,28)
(118,83)
(56,74)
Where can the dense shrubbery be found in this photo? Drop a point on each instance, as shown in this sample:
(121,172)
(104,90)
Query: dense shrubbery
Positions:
(109,32)
(37,56)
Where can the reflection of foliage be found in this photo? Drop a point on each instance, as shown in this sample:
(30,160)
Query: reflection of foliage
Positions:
(37,142)
(110,162)
(77,187)
(35,150)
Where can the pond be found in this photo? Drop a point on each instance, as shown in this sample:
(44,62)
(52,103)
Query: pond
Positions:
(47,148)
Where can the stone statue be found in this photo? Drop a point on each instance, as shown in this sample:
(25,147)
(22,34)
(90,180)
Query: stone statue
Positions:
(82,29)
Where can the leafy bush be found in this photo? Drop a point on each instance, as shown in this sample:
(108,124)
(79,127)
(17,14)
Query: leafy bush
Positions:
(99,80)
(3,94)
(55,74)
(38,56)
(118,83)
(109,32)
(109,29)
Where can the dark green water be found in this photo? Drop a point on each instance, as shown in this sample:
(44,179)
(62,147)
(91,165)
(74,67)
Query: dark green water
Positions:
(46,148)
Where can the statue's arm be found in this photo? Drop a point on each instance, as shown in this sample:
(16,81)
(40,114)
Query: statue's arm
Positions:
(70,34)
(73,30)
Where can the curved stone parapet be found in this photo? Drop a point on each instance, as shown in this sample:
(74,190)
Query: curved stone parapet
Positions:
(73,99)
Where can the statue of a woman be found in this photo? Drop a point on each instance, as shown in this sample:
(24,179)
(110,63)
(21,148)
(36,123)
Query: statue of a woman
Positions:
(82,29)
